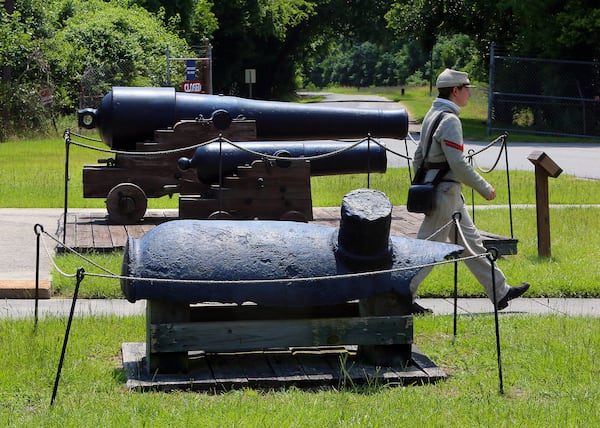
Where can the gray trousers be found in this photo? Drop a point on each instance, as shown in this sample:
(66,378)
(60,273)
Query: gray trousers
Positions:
(448,200)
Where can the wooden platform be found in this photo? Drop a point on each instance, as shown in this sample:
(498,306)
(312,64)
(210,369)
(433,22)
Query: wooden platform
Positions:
(24,289)
(87,232)
(301,367)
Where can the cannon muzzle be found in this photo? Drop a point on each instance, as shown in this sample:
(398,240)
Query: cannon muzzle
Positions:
(128,115)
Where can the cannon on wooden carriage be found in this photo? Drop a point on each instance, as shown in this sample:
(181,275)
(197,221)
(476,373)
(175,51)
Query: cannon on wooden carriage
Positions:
(149,130)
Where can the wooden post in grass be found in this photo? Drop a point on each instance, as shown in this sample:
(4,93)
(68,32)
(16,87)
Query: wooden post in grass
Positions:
(544,168)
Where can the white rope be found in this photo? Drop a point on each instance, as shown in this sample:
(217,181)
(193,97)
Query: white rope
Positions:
(140,153)
(111,275)
(220,139)
(282,280)
(464,241)
(430,237)
(60,271)
(71,250)
(461,233)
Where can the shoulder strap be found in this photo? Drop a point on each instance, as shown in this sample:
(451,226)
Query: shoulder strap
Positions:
(434,127)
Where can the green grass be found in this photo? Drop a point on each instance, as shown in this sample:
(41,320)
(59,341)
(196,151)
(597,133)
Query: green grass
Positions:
(550,372)
(32,175)
(570,272)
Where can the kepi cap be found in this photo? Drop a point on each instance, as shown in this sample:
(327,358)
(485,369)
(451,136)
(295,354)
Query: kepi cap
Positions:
(451,78)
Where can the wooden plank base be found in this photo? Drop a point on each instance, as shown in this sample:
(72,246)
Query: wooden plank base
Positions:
(306,368)
(24,289)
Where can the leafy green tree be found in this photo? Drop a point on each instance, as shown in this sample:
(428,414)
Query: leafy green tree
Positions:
(68,44)
(541,28)
(108,44)
(23,29)
(194,19)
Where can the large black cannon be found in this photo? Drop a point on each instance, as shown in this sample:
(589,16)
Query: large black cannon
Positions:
(291,284)
(150,129)
(128,115)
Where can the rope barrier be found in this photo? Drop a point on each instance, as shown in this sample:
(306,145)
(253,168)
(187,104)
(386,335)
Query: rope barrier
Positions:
(220,139)
(472,154)
(111,275)
(136,153)
(80,274)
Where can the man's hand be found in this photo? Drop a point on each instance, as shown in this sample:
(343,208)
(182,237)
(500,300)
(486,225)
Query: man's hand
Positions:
(492,195)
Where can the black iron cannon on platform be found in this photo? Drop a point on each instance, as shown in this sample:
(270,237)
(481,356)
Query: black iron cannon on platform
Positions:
(148,127)
(278,284)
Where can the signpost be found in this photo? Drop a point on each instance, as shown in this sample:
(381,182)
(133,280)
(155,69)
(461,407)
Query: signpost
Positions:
(190,69)
(544,168)
(250,74)
(46,96)
(198,71)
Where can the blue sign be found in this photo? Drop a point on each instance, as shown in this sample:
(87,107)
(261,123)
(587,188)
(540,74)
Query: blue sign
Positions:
(190,69)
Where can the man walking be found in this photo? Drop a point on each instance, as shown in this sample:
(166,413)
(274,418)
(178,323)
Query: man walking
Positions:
(445,157)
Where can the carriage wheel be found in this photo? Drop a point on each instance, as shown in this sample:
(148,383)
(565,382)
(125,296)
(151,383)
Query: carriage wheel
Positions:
(126,203)
(294,216)
(220,215)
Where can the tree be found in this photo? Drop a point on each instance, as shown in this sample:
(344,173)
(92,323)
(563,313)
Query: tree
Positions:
(193,19)
(22,30)
(63,43)
(543,28)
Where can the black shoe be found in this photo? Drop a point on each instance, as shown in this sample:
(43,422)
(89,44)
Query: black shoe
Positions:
(513,293)
(419,310)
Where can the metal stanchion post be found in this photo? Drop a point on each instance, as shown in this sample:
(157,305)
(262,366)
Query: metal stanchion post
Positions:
(492,257)
(38,229)
(80,276)
(457,217)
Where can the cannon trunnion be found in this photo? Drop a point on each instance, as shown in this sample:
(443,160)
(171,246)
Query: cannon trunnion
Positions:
(291,284)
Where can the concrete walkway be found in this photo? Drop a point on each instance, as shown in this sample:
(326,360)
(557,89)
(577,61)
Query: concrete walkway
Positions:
(25,308)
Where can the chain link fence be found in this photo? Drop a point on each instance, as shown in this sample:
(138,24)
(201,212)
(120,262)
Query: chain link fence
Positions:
(544,96)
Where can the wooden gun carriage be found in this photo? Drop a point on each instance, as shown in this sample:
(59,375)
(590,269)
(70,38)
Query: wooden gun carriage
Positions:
(150,129)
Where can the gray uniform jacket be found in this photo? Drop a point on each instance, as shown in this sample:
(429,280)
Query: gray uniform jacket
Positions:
(447,146)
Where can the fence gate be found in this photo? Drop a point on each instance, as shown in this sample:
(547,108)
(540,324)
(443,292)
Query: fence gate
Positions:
(544,96)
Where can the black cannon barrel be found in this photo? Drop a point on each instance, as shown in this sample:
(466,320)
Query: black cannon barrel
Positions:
(131,114)
(233,251)
(346,158)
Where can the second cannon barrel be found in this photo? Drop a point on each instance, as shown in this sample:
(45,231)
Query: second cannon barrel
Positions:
(327,157)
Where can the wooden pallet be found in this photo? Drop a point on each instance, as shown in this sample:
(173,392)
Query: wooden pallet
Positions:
(332,367)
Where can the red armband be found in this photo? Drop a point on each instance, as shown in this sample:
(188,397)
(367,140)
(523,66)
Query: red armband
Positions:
(454,145)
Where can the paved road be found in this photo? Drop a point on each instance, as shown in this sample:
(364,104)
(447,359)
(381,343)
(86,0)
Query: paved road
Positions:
(578,159)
